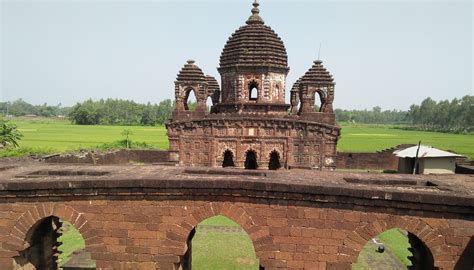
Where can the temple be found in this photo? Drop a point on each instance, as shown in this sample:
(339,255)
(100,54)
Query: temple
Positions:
(249,124)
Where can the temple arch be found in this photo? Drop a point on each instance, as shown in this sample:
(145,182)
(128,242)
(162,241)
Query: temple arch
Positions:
(190,100)
(228,159)
(210,239)
(251,160)
(50,243)
(422,236)
(275,160)
(395,249)
(177,238)
(253,91)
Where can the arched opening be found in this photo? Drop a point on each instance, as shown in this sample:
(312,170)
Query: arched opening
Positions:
(274,163)
(318,101)
(251,160)
(209,104)
(54,244)
(253,91)
(466,260)
(190,101)
(228,159)
(219,243)
(395,249)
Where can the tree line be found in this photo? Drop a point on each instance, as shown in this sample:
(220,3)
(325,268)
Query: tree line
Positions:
(21,108)
(453,116)
(120,112)
(446,116)
(374,116)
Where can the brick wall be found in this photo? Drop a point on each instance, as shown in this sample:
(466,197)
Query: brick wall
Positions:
(115,157)
(148,229)
(366,161)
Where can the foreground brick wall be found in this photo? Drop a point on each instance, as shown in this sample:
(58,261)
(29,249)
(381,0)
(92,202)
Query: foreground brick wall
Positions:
(150,232)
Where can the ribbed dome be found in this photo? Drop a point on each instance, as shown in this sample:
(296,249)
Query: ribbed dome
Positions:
(191,72)
(296,85)
(317,74)
(254,44)
(212,84)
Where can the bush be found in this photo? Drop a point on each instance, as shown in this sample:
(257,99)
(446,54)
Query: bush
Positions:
(9,135)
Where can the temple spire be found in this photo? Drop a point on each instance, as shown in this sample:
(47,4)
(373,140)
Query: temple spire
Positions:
(255,17)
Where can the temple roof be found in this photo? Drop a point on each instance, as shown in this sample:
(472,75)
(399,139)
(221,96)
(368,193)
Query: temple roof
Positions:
(296,85)
(212,84)
(191,72)
(317,74)
(254,44)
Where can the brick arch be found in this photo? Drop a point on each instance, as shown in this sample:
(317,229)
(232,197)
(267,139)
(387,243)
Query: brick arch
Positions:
(19,233)
(431,237)
(177,236)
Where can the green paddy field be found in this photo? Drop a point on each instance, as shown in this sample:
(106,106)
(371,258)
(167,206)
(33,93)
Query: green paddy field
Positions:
(45,135)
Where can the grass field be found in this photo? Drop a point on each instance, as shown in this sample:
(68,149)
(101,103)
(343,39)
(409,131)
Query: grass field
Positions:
(371,138)
(50,135)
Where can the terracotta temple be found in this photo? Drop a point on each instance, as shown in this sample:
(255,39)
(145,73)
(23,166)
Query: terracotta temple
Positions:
(249,125)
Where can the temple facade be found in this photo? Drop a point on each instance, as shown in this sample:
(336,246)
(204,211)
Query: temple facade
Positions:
(249,124)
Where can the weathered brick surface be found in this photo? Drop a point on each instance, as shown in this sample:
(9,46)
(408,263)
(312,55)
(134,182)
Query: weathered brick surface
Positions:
(140,217)
(279,241)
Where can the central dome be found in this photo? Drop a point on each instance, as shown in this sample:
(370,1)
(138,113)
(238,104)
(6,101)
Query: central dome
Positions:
(254,45)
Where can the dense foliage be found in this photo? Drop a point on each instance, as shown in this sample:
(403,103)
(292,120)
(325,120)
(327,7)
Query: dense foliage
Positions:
(9,134)
(21,108)
(120,112)
(455,116)
(375,116)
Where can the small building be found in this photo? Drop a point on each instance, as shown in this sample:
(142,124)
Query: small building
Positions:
(430,160)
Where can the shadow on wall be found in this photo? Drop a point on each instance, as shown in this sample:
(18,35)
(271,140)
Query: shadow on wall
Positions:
(466,261)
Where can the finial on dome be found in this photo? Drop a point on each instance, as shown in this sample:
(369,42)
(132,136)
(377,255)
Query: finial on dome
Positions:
(190,61)
(255,17)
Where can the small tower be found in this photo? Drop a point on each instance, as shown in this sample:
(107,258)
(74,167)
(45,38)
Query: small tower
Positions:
(253,68)
(317,80)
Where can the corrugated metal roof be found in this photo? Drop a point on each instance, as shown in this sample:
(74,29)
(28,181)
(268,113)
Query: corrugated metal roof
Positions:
(425,152)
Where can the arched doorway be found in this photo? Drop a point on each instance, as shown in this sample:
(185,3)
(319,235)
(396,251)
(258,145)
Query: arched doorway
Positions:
(53,244)
(395,249)
(274,163)
(219,243)
(251,160)
(228,159)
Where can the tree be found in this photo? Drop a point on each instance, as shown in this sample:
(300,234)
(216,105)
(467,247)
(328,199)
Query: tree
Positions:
(9,134)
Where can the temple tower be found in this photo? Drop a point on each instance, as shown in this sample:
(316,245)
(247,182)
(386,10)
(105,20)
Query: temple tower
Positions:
(253,69)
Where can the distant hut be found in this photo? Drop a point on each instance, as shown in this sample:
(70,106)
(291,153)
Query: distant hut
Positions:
(430,160)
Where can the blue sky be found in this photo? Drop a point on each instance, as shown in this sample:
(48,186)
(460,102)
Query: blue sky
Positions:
(381,53)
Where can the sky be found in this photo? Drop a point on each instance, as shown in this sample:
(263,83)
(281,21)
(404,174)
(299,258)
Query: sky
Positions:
(381,53)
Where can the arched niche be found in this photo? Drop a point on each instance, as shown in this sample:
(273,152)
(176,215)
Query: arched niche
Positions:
(219,242)
(251,162)
(51,243)
(395,249)
(274,162)
(228,158)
